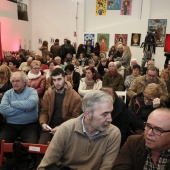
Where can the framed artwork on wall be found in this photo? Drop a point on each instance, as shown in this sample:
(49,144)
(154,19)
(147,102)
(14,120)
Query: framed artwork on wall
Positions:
(158,28)
(113,4)
(103,40)
(126,7)
(121,38)
(100,7)
(89,37)
(135,39)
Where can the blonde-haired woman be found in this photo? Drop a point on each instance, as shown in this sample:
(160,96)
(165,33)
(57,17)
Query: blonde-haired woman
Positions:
(5,83)
(142,105)
(77,67)
(36,80)
(126,57)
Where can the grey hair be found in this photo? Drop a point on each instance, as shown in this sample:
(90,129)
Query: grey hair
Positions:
(23,76)
(57,58)
(93,98)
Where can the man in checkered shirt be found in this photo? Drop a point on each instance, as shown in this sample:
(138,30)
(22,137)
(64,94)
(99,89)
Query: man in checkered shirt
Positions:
(151,150)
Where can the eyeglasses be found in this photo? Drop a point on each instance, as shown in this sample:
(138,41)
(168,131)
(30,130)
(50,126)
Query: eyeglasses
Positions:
(36,68)
(156,130)
(148,99)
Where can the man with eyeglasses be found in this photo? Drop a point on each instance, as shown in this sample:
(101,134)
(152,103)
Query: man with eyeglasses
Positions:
(151,150)
(140,83)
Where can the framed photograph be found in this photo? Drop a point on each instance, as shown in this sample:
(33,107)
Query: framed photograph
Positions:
(135,39)
(103,40)
(158,28)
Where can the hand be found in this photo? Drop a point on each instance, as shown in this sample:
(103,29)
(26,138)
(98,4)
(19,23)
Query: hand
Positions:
(106,70)
(45,127)
(54,130)
(156,102)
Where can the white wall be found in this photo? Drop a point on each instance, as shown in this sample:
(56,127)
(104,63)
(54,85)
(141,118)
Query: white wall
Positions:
(14,32)
(56,19)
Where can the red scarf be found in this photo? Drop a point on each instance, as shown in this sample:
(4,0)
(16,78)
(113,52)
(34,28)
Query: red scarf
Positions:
(113,73)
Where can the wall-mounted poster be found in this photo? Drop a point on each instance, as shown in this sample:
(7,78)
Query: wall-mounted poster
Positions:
(88,37)
(113,4)
(126,7)
(167,44)
(158,28)
(121,38)
(103,40)
(22,11)
(100,7)
(135,39)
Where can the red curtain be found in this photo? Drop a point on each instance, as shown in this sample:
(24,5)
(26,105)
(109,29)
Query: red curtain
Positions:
(1,55)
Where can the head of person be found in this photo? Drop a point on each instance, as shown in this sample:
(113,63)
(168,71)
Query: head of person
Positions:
(118,64)
(150,63)
(120,48)
(103,61)
(56,40)
(169,65)
(82,55)
(88,43)
(112,66)
(151,92)
(69,56)
(13,64)
(5,74)
(65,41)
(133,62)
(19,57)
(91,63)
(49,56)
(136,70)
(19,81)
(112,48)
(97,107)
(151,74)
(157,130)
(29,61)
(4,62)
(57,60)
(75,62)
(51,65)
(97,45)
(58,76)
(69,69)
(35,67)
(45,43)
(91,74)
(126,51)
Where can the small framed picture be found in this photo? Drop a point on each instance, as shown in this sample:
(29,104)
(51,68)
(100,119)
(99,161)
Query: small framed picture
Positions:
(135,39)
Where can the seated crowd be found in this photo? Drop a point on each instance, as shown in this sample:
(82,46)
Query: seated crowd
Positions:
(70,99)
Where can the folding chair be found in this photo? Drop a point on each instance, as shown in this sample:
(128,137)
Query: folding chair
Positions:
(122,94)
(32,148)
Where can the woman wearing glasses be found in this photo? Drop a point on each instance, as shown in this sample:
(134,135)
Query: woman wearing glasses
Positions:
(36,80)
(142,105)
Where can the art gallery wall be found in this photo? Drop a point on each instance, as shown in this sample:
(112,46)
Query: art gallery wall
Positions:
(60,19)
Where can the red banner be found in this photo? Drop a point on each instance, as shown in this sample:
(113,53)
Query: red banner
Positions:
(1,55)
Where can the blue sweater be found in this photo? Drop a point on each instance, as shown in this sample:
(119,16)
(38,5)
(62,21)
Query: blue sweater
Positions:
(20,108)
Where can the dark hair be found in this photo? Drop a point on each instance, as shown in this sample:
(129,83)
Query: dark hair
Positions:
(50,54)
(52,61)
(96,74)
(69,67)
(45,43)
(15,62)
(136,66)
(56,40)
(57,72)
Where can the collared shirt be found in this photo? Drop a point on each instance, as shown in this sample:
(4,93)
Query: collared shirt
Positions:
(161,163)
(91,137)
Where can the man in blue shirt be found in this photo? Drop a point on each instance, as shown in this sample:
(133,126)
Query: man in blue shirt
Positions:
(19,106)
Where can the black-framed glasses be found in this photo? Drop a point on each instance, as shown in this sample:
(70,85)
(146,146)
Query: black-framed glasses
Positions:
(156,130)
(148,99)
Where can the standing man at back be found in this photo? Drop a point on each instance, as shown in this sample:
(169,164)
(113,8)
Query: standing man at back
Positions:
(59,104)
(55,48)
(88,142)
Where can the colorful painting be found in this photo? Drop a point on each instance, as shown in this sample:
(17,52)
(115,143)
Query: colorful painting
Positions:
(126,7)
(158,28)
(121,38)
(100,7)
(167,44)
(135,39)
(113,4)
(88,37)
(103,40)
